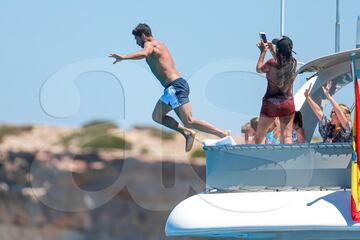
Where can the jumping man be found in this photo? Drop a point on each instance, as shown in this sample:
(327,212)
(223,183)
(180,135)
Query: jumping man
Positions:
(176,93)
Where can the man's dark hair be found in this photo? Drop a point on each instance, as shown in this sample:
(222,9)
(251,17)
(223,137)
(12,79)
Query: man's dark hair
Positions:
(142,28)
(254,123)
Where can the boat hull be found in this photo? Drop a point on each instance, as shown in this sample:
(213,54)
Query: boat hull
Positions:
(265,215)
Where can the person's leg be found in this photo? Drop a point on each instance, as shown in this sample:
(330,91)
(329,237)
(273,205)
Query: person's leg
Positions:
(185,115)
(286,128)
(159,116)
(263,125)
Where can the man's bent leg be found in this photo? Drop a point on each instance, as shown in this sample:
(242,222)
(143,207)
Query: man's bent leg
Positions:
(185,115)
(159,116)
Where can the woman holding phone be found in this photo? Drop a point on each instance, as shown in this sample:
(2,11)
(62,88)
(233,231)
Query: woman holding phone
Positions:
(278,100)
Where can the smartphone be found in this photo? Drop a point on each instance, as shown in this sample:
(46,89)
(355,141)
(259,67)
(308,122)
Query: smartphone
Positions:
(263,37)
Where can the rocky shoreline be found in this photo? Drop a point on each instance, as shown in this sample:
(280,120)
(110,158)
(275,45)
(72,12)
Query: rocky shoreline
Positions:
(51,193)
(137,209)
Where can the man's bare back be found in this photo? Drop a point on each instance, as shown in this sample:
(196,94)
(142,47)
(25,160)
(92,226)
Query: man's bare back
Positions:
(161,62)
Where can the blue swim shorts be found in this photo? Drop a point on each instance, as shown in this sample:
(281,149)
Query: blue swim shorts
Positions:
(176,93)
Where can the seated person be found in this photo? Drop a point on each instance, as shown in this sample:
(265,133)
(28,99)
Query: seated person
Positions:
(298,135)
(250,129)
(338,128)
(273,133)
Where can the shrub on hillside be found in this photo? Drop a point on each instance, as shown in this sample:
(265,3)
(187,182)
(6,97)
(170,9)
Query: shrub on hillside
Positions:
(7,130)
(198,153)
(95,135)
(156,132)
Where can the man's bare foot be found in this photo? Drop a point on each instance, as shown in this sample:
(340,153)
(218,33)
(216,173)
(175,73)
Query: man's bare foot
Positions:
(189,138)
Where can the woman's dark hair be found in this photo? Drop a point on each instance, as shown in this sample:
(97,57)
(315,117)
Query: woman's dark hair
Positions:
(286,64)
(142,28)
(298,119)
(283,54)
(284,46)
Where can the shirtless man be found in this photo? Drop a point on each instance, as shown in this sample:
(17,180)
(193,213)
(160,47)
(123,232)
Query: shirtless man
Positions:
(176,93)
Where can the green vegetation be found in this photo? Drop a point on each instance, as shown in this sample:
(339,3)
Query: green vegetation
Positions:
(198,153)
(144,150)
(100,125)
(95,135)
(107,141)
(7,130)
(156,132)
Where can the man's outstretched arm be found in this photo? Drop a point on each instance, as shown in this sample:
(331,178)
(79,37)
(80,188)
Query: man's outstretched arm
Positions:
(146,51)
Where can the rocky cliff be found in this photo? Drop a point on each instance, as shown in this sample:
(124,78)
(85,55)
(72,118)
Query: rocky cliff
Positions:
(51,191)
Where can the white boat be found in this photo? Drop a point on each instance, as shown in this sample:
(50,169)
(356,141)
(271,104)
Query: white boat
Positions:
(299,191)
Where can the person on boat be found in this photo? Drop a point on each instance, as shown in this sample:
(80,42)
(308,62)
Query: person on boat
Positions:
(176,92)
(272,135)
(278,100)
(249,133)
(338,128)
(298,134)
(250,129)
